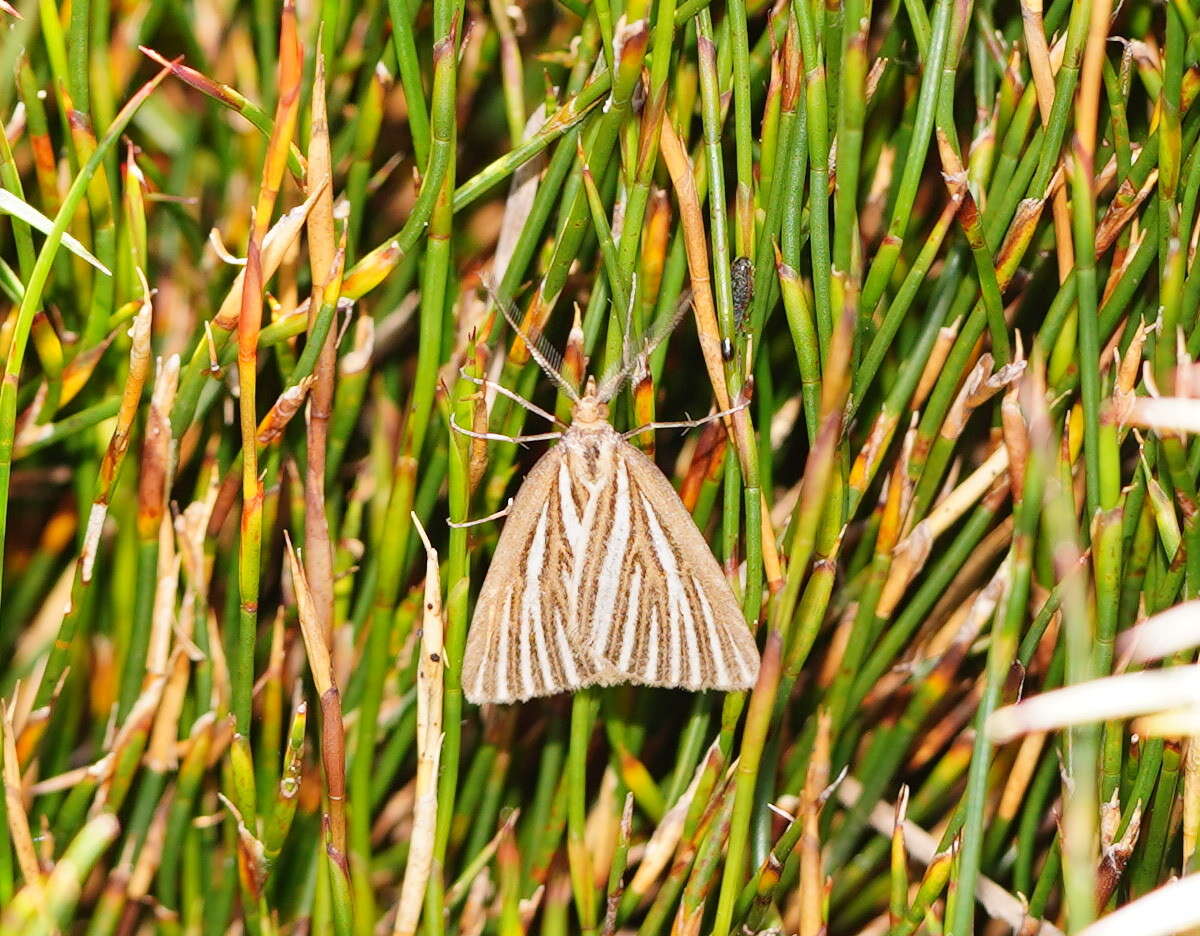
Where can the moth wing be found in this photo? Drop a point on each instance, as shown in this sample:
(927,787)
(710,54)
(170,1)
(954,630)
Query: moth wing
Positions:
(662,612)
(517,646)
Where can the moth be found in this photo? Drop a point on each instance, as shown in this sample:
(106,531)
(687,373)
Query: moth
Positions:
(600,575)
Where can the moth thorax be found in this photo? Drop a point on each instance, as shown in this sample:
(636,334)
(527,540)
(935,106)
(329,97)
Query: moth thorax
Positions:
(590,450)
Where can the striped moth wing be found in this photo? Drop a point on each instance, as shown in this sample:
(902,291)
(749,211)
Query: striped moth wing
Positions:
(663,613)
(517,647)
(600,577)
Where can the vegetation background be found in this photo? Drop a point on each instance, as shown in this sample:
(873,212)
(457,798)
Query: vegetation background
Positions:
(944,251)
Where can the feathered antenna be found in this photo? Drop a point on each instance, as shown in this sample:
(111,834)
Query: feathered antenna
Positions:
(615,378)
(548,359)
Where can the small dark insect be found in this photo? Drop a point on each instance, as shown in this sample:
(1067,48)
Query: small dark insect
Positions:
(726,349)
(742,271)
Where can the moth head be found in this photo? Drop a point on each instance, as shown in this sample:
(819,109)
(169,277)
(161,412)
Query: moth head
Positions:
(591,407)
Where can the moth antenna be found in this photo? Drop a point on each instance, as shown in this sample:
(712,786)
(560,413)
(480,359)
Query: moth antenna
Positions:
(548,359)
(615,378)
(626,330)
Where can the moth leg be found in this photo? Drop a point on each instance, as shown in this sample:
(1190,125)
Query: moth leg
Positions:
(515,397)
(502,512)
(686,423)
(499,437)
